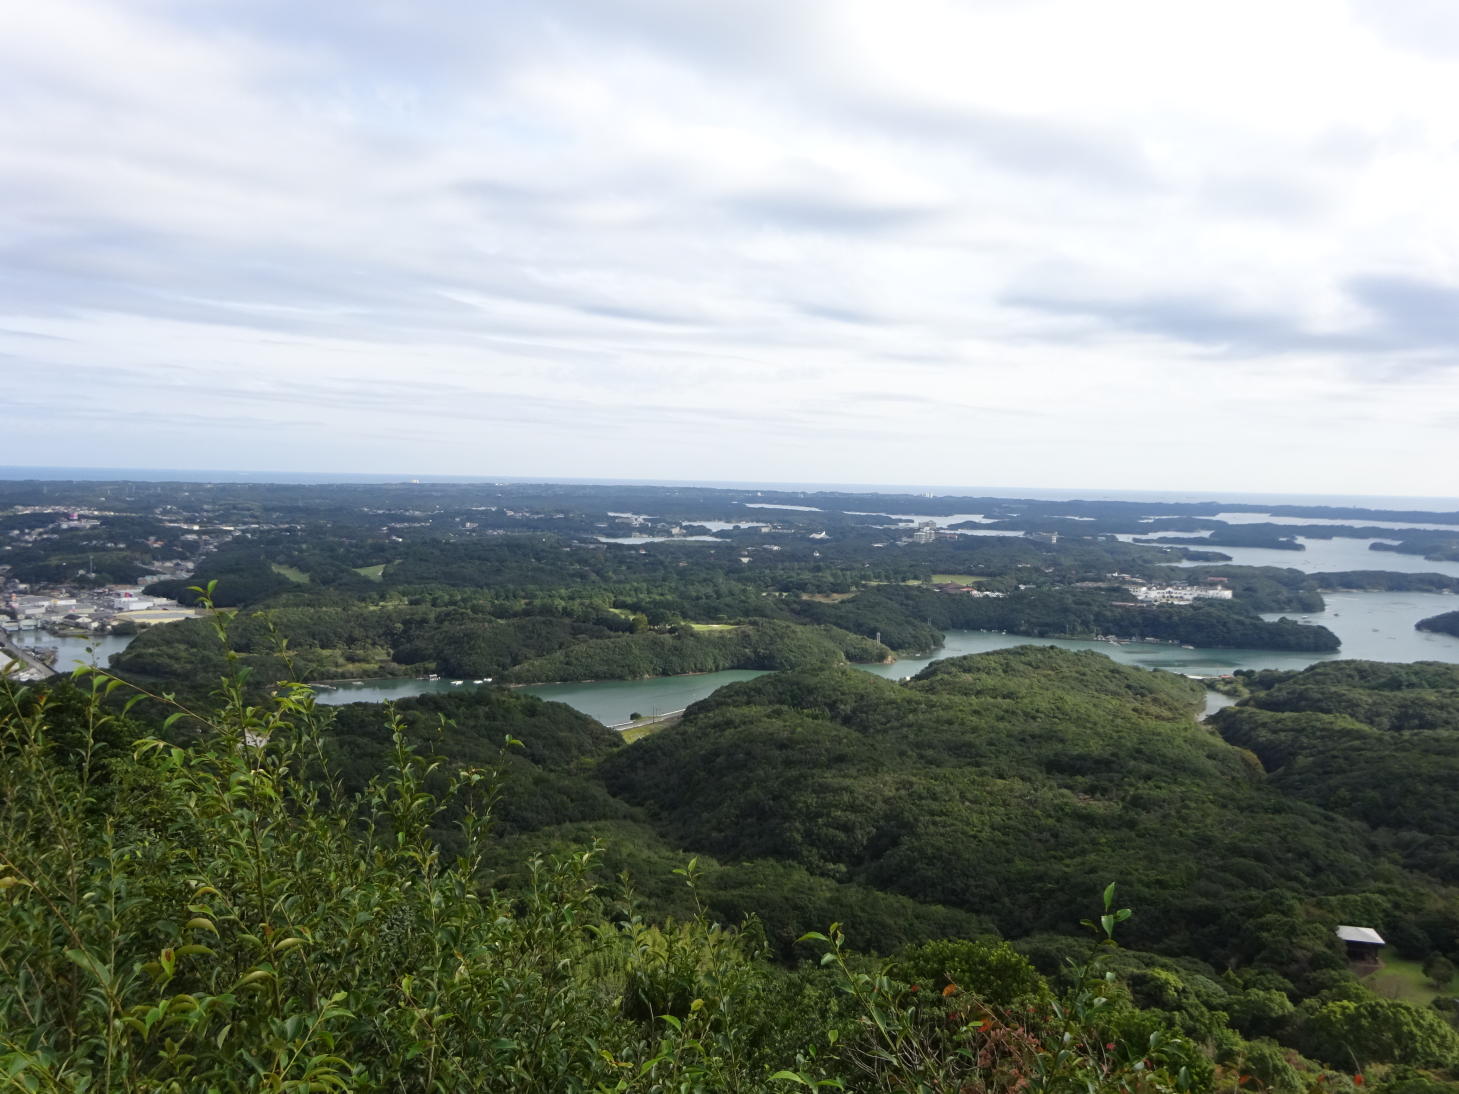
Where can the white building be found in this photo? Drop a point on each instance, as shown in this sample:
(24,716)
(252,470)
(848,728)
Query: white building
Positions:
(1178,594)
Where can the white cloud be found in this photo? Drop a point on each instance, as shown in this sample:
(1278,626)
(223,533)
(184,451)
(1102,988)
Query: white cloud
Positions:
(1135,244)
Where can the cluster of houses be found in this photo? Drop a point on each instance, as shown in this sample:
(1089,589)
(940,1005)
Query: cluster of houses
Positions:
(1145,595)
(965,590)
(195,536)
(1180,593)
(60,608)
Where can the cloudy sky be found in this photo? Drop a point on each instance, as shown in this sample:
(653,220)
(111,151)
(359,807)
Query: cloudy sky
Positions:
(1141,243)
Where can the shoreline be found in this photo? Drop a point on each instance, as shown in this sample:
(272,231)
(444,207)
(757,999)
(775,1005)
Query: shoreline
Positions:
(334,684)
(1114,640)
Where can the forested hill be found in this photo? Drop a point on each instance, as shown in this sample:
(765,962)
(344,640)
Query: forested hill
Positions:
(1375,742)
(325,884)
(905,615)
(1445,623)
(995,783)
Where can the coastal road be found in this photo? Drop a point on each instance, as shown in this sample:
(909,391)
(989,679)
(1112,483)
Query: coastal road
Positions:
(668,718)
(31,666)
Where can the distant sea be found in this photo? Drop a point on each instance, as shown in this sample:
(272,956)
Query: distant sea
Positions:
(135,474)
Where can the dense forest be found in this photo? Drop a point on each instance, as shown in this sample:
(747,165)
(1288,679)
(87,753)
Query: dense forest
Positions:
(1445,623)
(367,899)
(1372,741)
(770,645)
(817,878)
(547,581)
(531,640)
(541,608)
(906,613)
(1435,546)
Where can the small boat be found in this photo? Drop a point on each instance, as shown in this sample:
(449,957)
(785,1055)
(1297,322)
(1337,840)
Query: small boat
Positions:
(478,681)
(457,683)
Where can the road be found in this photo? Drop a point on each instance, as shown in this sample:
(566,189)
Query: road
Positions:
(667,718)
(34,668)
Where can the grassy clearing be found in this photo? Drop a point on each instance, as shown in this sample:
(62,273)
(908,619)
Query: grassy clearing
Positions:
(955,579)
(637,733)
(293,573)
(715,626)
(827,598)
(1405,980)
(374,573)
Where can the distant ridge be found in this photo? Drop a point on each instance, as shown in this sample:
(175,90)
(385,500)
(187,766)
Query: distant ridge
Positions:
(140,474)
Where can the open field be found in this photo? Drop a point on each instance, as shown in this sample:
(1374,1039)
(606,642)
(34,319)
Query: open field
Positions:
(1405,980)
(374,573)
(955,579)
(292,573)
(161,615)
(715,626)
(827,598)
(639,732)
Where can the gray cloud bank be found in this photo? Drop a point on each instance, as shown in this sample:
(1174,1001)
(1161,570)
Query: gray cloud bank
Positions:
(976,243)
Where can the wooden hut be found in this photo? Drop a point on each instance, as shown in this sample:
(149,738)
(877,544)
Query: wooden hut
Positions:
(1363,944)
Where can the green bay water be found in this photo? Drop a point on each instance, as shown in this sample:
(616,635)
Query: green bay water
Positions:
(1376,626)
(1372,625)
(611,702)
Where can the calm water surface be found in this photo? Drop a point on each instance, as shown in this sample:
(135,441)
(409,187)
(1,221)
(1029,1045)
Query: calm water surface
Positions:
(1329,555)
(1267,518)
(1378,626)
(76,652)
(609,701)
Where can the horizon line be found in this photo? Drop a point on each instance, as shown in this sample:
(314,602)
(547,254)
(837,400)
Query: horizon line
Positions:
(304,478)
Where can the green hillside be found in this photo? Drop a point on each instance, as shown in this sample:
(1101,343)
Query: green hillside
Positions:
(819,878)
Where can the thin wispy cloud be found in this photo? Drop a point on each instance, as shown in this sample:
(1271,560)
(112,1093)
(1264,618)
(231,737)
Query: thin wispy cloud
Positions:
(975,242)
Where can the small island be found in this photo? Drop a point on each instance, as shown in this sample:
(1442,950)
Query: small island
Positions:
(1447,623)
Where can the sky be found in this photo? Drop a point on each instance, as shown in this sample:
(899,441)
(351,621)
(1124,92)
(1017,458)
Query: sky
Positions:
(1140,244)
